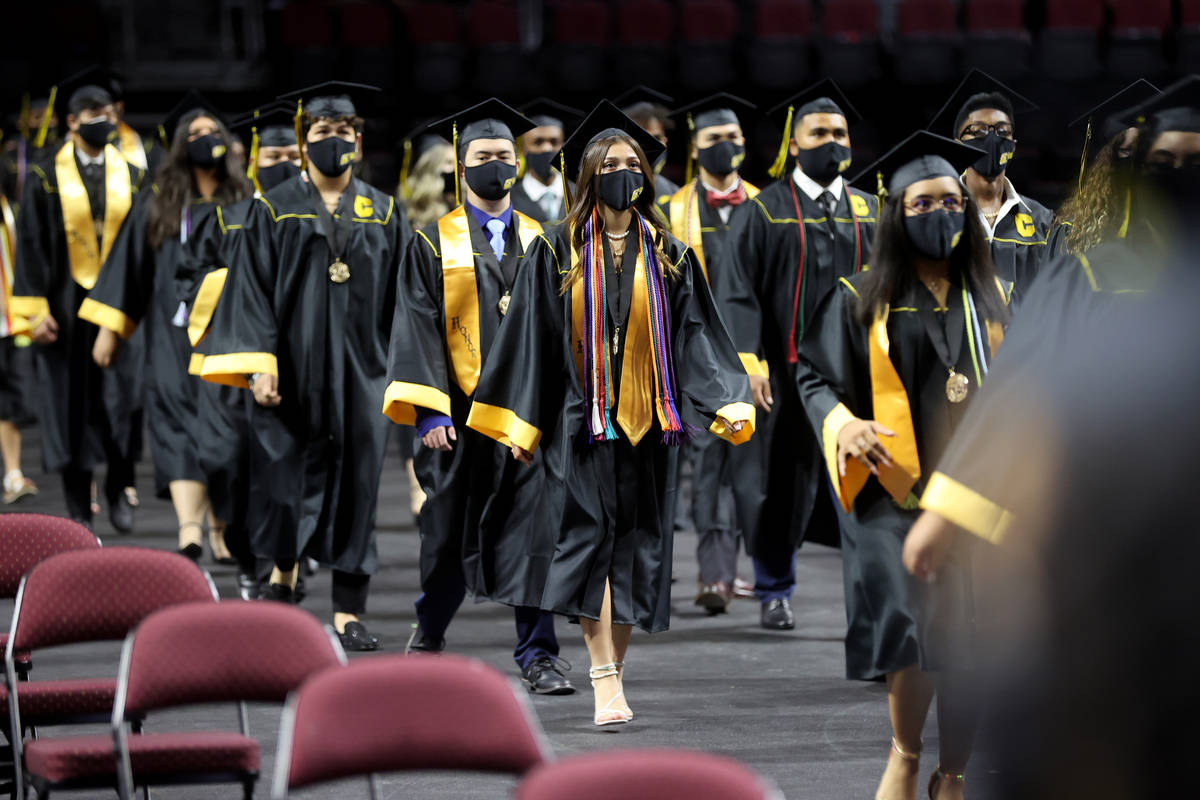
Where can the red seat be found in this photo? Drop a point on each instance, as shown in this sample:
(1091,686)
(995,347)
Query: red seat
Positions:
(1189,13)
(305,24)
(492,22)
(42,702)
(851,20)
(995,16)
(159,755)
(782,19)
(645,22)
(707,21)
(1074,15)
(432,23)
(1149,17)
(646,775)
(580,22)
(389,713)
(365,24)
(925,17)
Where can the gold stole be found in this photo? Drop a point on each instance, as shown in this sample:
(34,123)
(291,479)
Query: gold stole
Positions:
(684,211)
(635,407)
(131,145)
(9,324)
(84,252)
(891,409)
(462,292)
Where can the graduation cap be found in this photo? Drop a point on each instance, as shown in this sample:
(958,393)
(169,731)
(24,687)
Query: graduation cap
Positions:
(491,119)
(823,97)
(333,99)
(921,156)
(268,126)
(1176,108)
(978,90)
(192,101)
(603,120)
(77,87)
(544,112)
(1103,121)
(642,94)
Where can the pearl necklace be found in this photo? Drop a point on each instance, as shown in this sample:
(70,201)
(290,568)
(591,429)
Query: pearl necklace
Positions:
(616,237)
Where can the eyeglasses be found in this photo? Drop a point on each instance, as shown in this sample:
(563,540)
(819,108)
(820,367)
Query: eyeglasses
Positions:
(978,130)
(925,204)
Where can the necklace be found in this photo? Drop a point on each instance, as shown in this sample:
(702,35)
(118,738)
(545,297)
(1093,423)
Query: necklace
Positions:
(616,237)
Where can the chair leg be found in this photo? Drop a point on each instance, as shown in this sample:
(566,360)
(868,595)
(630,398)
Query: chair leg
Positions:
(247,790)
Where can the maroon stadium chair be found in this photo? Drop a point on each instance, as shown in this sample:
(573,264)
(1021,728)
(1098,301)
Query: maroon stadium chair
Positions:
(927,41)
(1189,36)
(579,37)
(997,40)
(87,596)
(849,46)
(398,713)
(306,33)
(438,53)
(707,29)
(26,539)
(494,34)
(646,775)
(1135,47)
(779,54)
(1069,46)
(368,40)
(645,37)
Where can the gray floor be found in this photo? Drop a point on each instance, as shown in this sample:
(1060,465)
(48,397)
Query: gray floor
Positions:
(776,701)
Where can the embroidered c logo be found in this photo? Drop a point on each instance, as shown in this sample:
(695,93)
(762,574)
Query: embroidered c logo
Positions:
(363,207)
(859,204)
(1025,226)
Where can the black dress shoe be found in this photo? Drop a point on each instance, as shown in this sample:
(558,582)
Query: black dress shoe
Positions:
(545,676)
(120,514)
(192,551)
(301,591)
(421,642)
(356,638)
(248,586)
(279,593)
(777,615)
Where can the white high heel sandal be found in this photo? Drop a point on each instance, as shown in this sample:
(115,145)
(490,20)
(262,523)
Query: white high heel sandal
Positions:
(608,715)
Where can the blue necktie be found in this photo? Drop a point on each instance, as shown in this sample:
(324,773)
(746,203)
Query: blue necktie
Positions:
(496,230)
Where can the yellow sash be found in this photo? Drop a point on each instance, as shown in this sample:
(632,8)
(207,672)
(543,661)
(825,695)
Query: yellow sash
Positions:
(462,292)
(9,324)
(131,145)
(84,252)
(684,215)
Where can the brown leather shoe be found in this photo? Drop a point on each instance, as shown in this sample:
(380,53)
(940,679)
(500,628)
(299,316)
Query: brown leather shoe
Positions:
(714,597)
(743,589)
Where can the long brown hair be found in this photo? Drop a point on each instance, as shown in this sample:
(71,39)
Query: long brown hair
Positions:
(174,181)
(585,200)
(1094,212)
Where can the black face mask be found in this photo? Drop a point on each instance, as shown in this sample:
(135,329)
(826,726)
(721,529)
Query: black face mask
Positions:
(1175,193)
(541,164)
(824,162)
(98,133)
(492,180)
(206,151)
(722,158)
(999,154)
(620,189)
(936,234)
(449,183)
(331,156)
(272,176)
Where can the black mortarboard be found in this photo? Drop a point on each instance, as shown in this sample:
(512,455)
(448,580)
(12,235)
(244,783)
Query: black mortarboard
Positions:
(191,101)
(921,156)
(85,84)
(1103,122)
(823,97)
(604,119)
(977,90)
(717,109)
(544,112)
(1175,108)
(274,124)
(491,119)
(642,94)
(334,99)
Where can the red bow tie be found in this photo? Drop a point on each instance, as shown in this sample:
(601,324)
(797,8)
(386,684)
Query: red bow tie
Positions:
(734,197)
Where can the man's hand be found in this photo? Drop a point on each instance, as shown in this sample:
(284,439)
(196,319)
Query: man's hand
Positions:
(760,387)
(46,331)
(440,438)
(266,390)
(105,347)
(928,542)
(521,454)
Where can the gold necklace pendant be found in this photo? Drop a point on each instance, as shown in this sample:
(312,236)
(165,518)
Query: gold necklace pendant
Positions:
(956,387)
(339,271)
(503,304)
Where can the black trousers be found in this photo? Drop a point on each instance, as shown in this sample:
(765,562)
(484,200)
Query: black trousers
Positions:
(77,484)
(350,589)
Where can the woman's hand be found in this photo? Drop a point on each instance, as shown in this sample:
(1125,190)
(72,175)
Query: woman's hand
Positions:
(760,387)
(105,347)
(928,542)
(859,439)
(46,331)
(266,390)
(521,454)
(440,438)
(732,427)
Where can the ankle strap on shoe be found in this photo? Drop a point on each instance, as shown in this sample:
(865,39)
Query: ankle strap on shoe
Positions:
(900,751)
(940,775)
(603,671)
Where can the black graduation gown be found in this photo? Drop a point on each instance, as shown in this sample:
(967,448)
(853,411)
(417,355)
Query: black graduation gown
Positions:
(613,525)
(1056,241)
(522,202)
(892,621)
(1019,243)
(79,405)
(985,474)
(317,456)
(484,513)
(138,282)
(760,295)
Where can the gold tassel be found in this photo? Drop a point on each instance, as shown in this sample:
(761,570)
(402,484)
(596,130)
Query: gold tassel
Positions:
(45,127)
(299,125)
(781,159)
(252,166)
(562,173)
(405,167)
(881,192)
(457,174)
(691,163)
(1087,139)
(162,137)
(1124,231)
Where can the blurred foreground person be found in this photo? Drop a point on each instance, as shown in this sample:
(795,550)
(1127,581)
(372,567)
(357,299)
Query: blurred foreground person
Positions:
(892,357)
(15,368)
(613,353)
